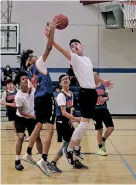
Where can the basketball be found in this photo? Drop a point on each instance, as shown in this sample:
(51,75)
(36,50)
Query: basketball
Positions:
(63,20)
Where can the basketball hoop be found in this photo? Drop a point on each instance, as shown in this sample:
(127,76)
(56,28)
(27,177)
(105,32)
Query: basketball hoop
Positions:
(129,9)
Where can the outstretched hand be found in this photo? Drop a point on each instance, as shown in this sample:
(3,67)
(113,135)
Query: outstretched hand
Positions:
(108,84)
(51,26)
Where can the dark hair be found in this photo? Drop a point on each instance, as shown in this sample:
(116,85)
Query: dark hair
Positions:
(8,81)
(61,76)
(74,40)
(7,66)
(19,75)
(57,87)
(23,57)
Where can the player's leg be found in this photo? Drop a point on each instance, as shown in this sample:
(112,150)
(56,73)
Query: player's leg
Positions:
(68,130)
(20,128)
(13,126)
(59,128)
(31,126)
(39,145)
(107,119)
(87,101)
(53,165)
(33,131)
(45,116)
(97,119)
(11,117)
(32,139)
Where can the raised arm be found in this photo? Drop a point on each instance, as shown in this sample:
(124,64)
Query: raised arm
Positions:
(106,83)
(57,46)
(51,30)
(62,50)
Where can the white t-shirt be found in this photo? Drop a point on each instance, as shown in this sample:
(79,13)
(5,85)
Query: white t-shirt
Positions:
(83,69)
(61,99)
(41,66)
(26,101)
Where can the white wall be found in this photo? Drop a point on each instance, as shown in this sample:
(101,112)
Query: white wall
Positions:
(106,48)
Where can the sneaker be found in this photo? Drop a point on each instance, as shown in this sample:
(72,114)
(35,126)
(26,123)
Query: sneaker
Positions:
(18,165)
(43,166)
(26,138)
(68,156)
(53,167)
(79,165)
(101,152)
(77,154)
(103,146)
(28,158)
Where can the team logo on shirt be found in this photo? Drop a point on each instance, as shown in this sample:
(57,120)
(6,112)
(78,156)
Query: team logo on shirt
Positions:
(34,80)
(10,97)
(69,104)
(100,93)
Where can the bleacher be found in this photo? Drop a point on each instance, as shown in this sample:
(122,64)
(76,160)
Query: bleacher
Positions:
(74,89)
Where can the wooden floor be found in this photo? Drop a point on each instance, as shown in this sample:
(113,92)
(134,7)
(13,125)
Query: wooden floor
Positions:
(119,167)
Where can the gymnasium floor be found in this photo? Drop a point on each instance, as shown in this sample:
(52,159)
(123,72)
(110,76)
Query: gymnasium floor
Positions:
(119,167)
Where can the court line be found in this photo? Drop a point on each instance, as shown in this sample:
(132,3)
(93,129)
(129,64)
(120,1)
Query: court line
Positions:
(124,161)
(87,129)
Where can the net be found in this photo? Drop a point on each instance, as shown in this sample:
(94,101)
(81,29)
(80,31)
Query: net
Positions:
(129,9)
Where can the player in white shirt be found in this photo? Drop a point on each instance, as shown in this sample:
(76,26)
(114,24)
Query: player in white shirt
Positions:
(25,117)
(83,69)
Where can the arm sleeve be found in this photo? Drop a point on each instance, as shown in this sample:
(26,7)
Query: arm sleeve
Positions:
(61,99)
(41,65)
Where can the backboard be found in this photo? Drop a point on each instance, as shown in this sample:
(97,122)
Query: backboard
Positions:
(10,37)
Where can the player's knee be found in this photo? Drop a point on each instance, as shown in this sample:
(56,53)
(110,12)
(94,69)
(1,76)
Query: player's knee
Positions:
(79,131)
(20,137)
(110,129)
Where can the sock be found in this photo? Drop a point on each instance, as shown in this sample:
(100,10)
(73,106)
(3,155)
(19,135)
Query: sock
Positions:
(53,162)
(44,156)
(103,139)
(17,162)
(76,147)
(17,157)
(100,146)
(69,149)
(29,150)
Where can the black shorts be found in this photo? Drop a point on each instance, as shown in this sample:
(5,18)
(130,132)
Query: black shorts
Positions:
(102,116)
(21,124)
(44,109)
(11,114)
(87,102)
(64,129)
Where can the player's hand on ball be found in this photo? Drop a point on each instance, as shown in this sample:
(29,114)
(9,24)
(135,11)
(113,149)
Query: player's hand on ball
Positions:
(51,26)
(108,84)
